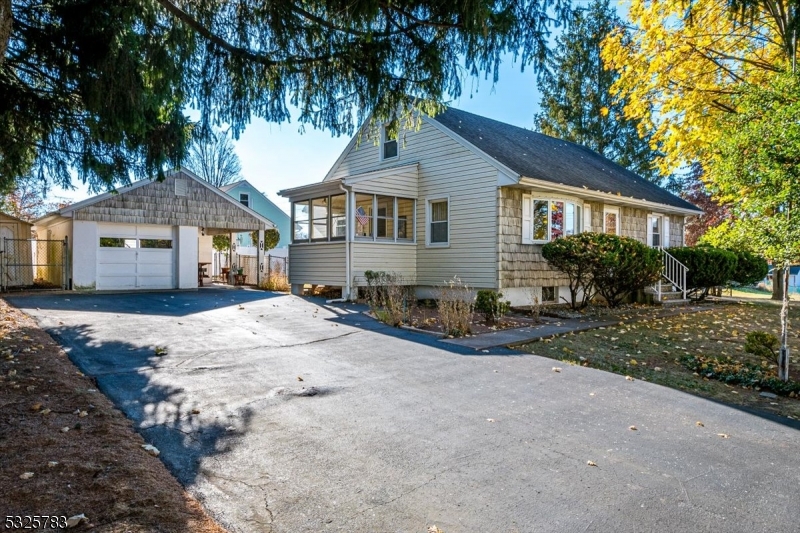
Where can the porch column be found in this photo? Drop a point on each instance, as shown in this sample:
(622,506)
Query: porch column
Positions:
(260,257)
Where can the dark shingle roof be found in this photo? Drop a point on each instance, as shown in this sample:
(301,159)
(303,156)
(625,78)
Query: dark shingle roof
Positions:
(539,156)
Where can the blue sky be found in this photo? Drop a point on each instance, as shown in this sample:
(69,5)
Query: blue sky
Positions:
(277,156)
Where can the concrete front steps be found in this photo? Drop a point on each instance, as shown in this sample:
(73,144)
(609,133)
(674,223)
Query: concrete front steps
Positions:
(668,298)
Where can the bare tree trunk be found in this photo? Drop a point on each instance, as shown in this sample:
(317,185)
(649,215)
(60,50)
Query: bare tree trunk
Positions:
(777,283)
(6,24)
(783,357)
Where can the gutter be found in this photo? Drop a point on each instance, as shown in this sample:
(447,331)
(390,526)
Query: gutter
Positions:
(347,240)
(606,196)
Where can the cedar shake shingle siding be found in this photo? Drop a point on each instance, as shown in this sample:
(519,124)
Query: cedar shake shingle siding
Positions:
(157,203)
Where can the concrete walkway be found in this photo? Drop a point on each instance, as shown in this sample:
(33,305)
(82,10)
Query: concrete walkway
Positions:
(517,336)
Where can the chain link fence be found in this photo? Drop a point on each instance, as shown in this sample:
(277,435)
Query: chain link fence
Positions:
(28,264)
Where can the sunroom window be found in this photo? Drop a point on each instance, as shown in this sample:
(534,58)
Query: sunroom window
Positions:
(338,216)
(301,220)
(364,204)
(319,221)
(385,219)
(545,219)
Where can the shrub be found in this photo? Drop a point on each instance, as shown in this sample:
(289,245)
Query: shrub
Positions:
(762,344)
(491,305)
(750,268)
(734,372)
(389,297)
(455,303)
(621,266)
(606,264)
(573,256)
(708,267)
(276,279)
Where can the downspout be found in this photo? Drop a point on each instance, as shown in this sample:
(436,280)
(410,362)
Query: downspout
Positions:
(347,241)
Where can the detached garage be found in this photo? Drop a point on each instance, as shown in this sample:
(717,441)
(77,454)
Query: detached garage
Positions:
(150,235)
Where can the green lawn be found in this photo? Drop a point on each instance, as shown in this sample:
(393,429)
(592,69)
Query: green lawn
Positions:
(660,350)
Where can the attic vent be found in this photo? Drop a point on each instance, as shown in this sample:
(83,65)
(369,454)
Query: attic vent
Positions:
(181,187)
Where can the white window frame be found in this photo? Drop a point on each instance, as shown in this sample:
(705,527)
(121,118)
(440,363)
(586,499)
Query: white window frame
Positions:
(528,201)
(616,211)
(384,140)
(374,237)
(587,217)
(244,197)
(428,213)
(664,229)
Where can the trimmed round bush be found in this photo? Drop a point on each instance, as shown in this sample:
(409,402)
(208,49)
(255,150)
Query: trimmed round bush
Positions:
(708,267)
(622,266)
(598,263)
(573,256)
(750,268)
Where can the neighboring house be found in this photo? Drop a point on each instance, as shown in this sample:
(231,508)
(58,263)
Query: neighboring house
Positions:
(150,235)
(794,278)
(249,196)
(467,196)
(16,254)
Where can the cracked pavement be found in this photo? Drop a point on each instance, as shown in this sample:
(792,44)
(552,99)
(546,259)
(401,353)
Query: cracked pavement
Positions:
(403,432)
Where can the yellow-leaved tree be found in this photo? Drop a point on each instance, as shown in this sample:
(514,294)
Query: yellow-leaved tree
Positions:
(684,59)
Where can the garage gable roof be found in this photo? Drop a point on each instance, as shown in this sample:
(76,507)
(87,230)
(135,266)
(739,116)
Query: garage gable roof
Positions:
(194,202)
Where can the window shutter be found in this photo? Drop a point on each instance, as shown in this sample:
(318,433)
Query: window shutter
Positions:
(650,230)
(665,232)
(527,211)
(587,217)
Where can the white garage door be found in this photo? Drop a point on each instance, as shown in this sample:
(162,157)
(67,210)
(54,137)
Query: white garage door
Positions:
(135,257)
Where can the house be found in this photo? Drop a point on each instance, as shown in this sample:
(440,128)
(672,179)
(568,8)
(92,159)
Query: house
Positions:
(244,192)
(467,196)
(150,235)
(794,279)
(16,254)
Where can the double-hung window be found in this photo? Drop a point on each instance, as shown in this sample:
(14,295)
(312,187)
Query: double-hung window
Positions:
(657,230)
(388,145)
(546,219)
(439,222)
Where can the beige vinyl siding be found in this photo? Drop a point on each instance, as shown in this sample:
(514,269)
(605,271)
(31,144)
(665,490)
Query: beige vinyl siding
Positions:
(317,263)
(446,168)
(387,257)
(403,184)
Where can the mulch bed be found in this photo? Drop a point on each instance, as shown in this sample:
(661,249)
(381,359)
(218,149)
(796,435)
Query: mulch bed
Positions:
(66,450)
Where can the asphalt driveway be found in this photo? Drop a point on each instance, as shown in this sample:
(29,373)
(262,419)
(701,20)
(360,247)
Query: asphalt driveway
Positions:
(285,415)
